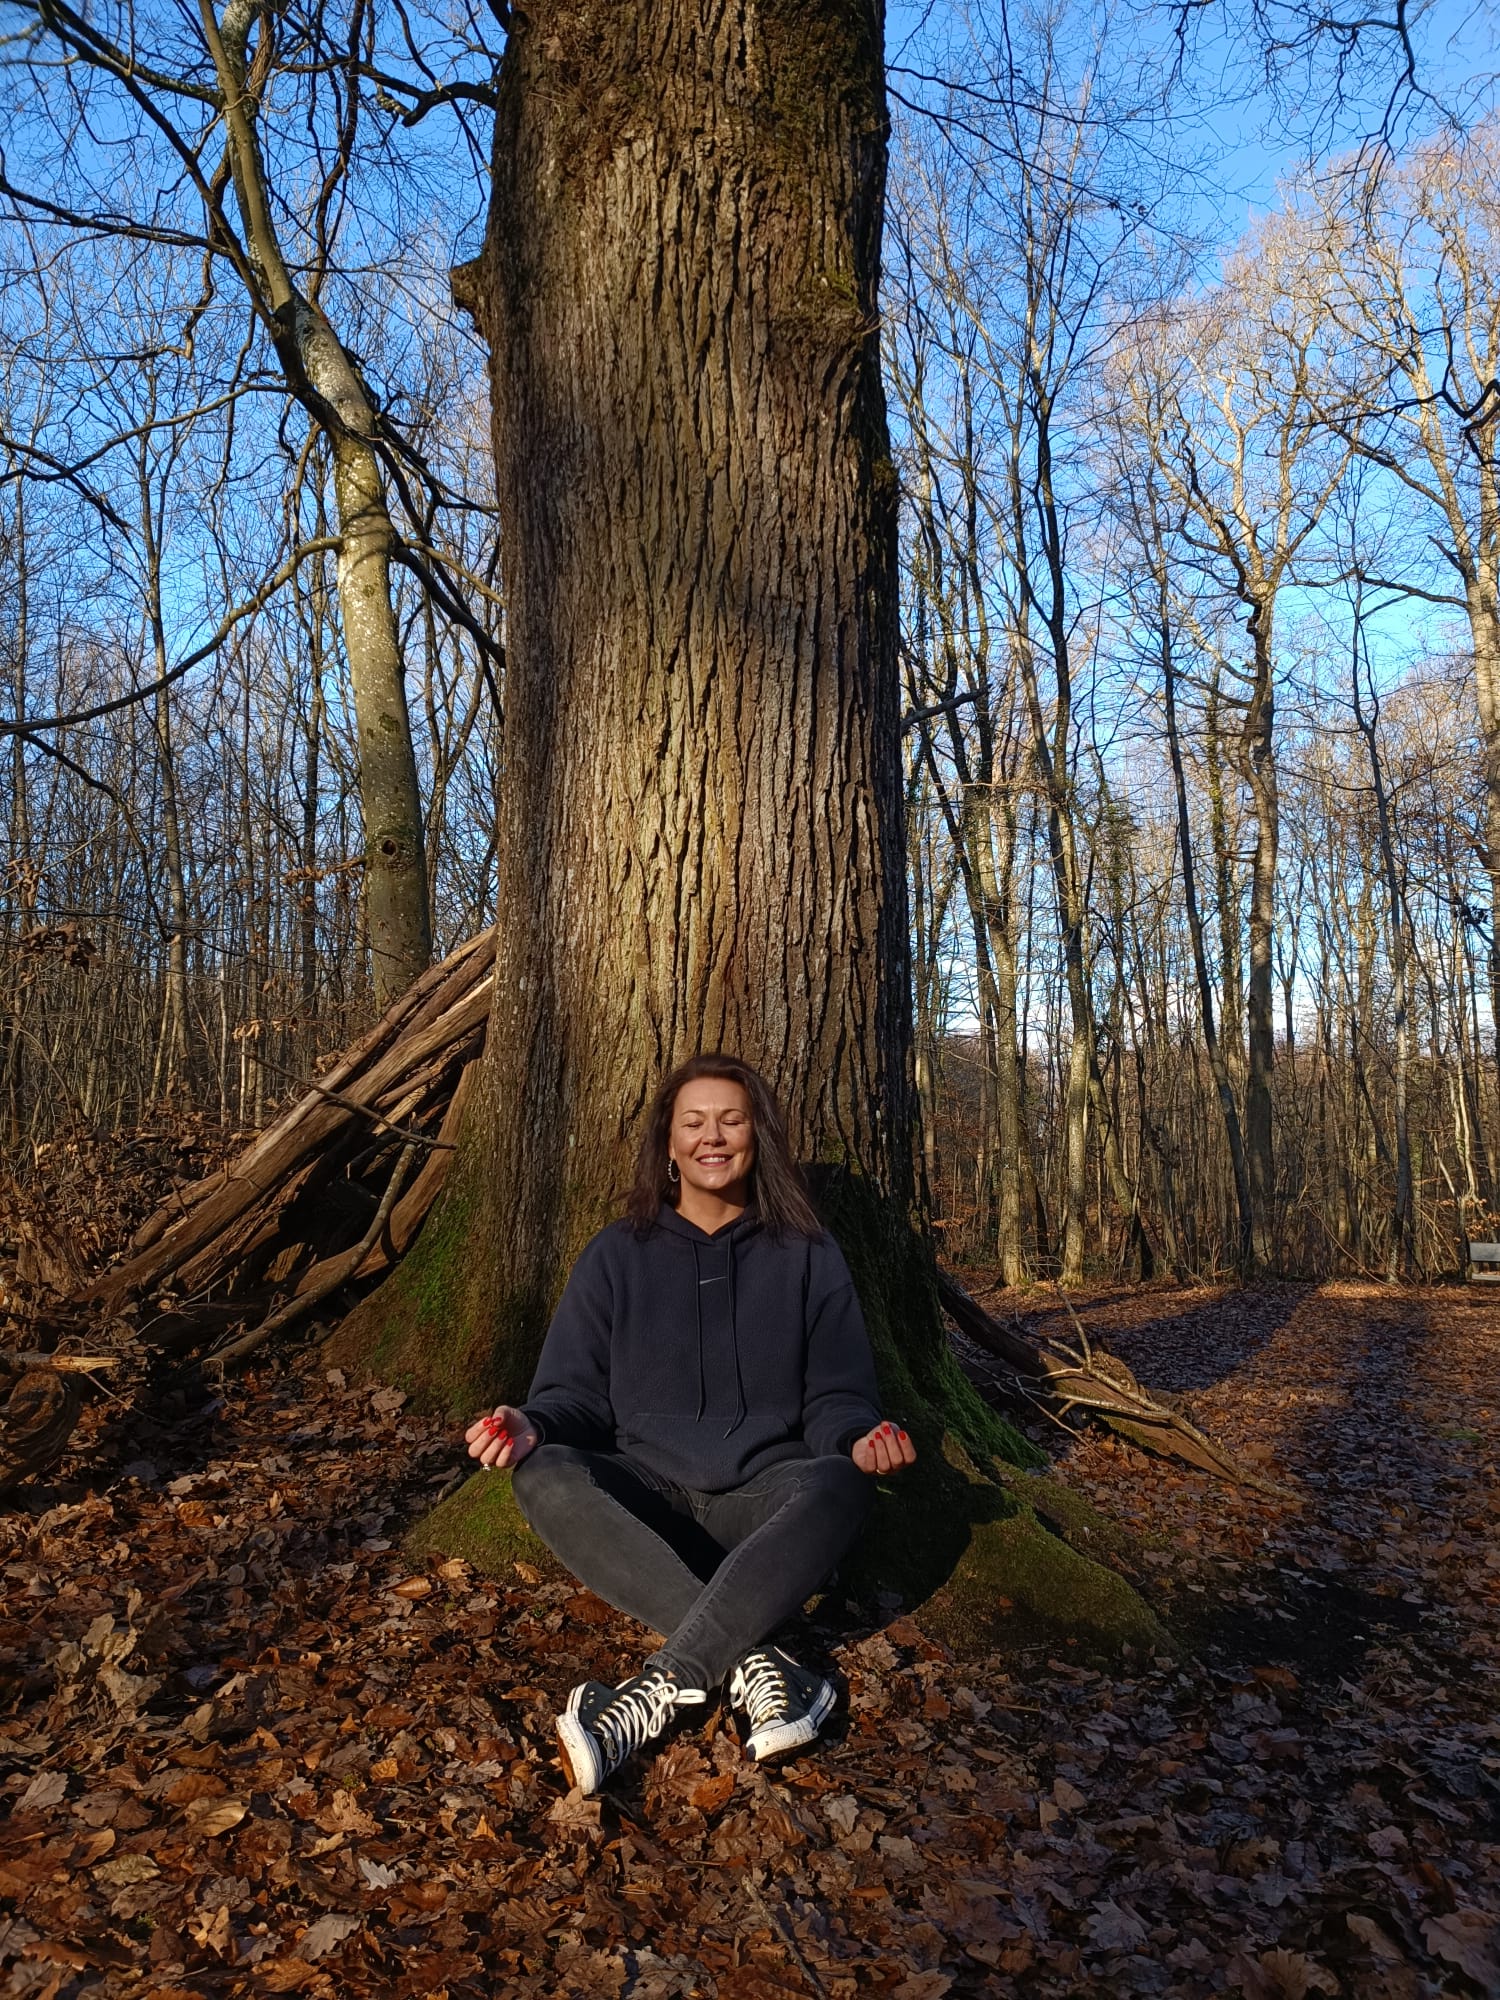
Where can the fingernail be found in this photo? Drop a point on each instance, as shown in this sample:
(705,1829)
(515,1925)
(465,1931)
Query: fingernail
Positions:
(901,1434)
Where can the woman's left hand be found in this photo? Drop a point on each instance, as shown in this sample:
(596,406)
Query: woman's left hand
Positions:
(884,1450)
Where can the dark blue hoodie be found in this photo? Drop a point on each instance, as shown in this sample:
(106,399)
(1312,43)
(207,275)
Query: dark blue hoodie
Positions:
(706,1357)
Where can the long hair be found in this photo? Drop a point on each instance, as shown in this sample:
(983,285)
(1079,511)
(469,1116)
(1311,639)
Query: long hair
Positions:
(777,1187)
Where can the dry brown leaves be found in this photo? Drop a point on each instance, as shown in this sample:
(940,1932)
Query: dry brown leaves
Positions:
(248,1748)
(82,1197)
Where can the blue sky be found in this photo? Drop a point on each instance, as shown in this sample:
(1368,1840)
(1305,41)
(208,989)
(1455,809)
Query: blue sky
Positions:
(1240,138)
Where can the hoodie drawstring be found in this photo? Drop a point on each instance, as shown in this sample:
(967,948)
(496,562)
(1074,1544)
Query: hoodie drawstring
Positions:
(734,1341)
(698,1301)
(741,1410)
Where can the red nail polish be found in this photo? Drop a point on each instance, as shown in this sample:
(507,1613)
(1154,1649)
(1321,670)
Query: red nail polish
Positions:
(901,1434)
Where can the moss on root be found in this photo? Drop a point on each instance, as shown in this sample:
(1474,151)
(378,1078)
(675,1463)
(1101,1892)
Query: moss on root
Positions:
(998,1561)
(482,1523)
(435,1328)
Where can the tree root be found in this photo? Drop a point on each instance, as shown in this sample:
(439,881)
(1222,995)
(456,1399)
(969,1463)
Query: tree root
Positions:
(1062,1380)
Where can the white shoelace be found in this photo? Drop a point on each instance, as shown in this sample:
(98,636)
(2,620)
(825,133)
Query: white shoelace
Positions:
(766,1691)
(633,1719)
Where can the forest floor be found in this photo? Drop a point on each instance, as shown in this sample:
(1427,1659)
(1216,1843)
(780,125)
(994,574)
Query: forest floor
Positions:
(247,1746)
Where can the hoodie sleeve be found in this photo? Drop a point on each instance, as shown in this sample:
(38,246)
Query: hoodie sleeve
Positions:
(840,1396)
(569,1398)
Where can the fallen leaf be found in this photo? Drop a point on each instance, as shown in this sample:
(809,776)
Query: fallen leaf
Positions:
(281,1975)
(47,1788)
(413,1586)
(193,1785)
(215,1816)
(1466,1939)
(326,1934)
(1112,1928)
(575,1810)
(213,1930)
(1372,1935)
(1068,1796)
(1280,1975)
(923,1986)
(710,1796)
(122,1870)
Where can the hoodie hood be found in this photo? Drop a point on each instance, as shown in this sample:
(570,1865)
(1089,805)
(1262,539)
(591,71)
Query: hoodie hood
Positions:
(746,1224)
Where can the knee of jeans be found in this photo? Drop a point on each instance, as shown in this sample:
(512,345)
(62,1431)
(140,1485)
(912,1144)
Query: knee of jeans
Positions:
(539,1473)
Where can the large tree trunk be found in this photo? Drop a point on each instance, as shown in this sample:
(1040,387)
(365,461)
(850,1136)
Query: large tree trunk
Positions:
(701,820)
(702,839)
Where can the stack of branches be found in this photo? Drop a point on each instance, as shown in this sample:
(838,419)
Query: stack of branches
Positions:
(333,1192)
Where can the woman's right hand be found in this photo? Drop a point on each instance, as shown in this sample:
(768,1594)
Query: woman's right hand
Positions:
(501,1438)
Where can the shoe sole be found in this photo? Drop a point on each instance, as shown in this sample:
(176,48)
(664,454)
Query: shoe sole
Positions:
(576,1753)
(767,1743)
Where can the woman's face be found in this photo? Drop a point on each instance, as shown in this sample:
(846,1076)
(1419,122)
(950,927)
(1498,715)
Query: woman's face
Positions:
(712,1137)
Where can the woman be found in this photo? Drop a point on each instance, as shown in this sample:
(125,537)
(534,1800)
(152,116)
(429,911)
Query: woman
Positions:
(699,1441)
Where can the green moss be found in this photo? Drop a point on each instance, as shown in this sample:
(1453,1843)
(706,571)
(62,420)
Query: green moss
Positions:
(435,1329)
(1067,1515)
(823,57)
(826,316)
(999,1564)
(482,1523)
(1017,1585)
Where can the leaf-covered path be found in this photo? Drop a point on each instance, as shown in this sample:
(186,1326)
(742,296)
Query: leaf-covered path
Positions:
(249,1748)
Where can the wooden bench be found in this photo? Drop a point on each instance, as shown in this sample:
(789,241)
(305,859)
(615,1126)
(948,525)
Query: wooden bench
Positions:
(1484,1263)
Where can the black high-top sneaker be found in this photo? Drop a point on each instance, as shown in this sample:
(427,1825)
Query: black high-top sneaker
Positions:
(786,1704)
(601,1726)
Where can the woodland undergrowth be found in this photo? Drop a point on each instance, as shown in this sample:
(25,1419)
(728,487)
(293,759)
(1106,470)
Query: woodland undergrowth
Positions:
(247,1745)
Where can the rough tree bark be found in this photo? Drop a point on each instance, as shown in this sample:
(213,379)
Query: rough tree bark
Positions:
(702,839)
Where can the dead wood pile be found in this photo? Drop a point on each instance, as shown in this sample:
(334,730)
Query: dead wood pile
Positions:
(277,1225)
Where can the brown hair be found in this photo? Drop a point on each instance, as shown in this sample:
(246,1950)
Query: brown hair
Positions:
(777,1188)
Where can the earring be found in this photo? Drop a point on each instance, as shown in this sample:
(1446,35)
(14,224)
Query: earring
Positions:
(673,1176)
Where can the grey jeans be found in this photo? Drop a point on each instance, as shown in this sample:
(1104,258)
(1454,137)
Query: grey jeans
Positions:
(716,1573)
